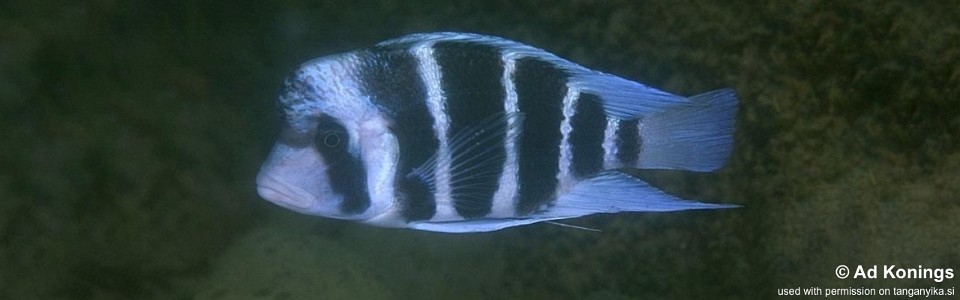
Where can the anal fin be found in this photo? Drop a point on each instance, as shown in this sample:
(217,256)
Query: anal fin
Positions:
(611,192)
(473,225)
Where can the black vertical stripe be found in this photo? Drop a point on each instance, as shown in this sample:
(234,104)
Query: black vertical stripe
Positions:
(344,169)
(390,78)
(628,142)
(540,91)
(586,140)
(472,85)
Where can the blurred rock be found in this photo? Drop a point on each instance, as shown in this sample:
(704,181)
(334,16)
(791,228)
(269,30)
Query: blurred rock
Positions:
(280,263)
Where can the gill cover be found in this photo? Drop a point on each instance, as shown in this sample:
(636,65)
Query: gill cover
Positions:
(329,141)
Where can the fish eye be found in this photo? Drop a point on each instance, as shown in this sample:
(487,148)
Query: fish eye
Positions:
(331,140)
(330,134)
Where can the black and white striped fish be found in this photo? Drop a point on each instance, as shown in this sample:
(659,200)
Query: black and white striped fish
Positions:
(458,132)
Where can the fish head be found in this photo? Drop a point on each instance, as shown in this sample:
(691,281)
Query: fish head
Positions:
(335,156)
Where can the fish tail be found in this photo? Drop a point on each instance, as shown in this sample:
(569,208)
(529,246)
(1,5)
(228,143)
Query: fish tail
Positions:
(695,137)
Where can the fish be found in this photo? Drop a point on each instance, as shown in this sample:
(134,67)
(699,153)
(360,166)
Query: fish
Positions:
(461,132)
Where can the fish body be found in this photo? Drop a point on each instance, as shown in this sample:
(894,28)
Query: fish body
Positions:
(459,132)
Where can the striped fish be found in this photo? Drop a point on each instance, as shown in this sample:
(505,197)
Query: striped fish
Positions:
(459,132)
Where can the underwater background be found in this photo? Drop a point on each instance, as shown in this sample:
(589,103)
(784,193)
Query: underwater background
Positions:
(132,132)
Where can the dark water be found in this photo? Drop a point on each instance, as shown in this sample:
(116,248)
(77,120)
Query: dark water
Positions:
(132,131)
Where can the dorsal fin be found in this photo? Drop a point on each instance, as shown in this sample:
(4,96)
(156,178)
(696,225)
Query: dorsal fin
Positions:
(622,98)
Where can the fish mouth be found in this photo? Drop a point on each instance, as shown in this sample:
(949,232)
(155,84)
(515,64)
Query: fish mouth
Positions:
(283,194)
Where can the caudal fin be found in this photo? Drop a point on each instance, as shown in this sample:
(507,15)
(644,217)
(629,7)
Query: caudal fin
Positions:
(695,137)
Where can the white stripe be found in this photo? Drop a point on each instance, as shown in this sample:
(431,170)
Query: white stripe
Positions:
(610,160)
(436,102)
(504,200)
(565,176)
